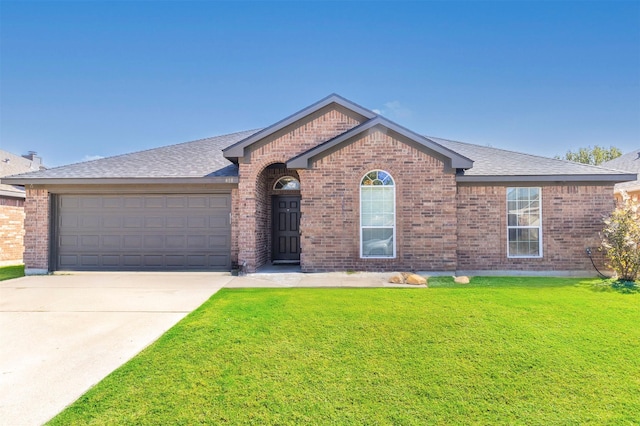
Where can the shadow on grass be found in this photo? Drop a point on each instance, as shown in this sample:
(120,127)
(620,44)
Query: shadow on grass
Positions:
(618,286)
(594,284)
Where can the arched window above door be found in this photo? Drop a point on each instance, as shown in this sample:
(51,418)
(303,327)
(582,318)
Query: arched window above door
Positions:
(287,183)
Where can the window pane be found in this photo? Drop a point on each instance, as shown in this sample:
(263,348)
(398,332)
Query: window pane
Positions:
(377,242)
(524,242)
(287,183)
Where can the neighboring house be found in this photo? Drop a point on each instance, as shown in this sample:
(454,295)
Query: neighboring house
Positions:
(333,187)
(12,206)
(629,162)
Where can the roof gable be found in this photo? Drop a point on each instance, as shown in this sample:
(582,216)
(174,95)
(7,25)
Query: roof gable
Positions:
(455,160)
(237,150)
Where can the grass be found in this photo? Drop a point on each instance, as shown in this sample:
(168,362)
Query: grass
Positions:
(495,351)
(9,272)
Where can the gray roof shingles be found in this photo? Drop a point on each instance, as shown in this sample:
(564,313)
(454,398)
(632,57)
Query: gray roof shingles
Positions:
(195,159)
(204,158)
(629,162)
(489,161)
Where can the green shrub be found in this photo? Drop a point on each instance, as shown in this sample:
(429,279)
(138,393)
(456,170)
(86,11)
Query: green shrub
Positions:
(621,239)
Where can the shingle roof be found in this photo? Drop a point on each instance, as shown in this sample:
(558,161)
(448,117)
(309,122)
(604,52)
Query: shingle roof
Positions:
(493,162)
(11,164)
(629,162)
(204,159)
(196,159)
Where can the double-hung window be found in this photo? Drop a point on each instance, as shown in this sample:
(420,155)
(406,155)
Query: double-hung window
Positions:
(524,222)
(377,215)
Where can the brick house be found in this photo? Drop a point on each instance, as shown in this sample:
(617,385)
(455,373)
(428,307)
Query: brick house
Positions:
(12,206)
(332,187)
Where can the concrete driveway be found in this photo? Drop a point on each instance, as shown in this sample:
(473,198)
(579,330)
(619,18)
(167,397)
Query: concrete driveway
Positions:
(61,334)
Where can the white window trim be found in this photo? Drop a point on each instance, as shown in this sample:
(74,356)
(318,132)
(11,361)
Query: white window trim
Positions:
(539,227)
(393,256)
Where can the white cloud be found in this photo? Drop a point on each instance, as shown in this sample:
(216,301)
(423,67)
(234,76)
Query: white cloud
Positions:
(394,110)
(91,157)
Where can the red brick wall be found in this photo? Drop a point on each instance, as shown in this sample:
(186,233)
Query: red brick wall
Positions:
(571,221)
(254,203)
(11,233)
(425,208)
(36,225)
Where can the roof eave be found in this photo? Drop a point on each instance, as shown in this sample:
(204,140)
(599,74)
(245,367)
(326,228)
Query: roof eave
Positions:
(236,150)
(123,181)
(12,194)
(609,178)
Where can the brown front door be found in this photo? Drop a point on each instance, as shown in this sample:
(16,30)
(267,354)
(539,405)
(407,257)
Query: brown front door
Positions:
(286,229)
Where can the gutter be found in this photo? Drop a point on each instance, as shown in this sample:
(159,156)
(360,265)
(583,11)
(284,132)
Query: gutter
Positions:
(617,178)
(121,181)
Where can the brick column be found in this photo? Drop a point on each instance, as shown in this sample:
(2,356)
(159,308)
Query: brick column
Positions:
(246,220)
(36,226)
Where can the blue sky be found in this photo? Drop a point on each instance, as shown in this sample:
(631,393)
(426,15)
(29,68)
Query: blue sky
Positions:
(85,78)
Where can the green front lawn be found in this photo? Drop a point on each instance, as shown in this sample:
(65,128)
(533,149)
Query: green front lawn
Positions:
(9,272)
(496,351)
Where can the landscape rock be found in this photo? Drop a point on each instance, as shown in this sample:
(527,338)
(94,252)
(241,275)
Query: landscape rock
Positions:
(408,278)
(461,280)
(396,279)
(415,279)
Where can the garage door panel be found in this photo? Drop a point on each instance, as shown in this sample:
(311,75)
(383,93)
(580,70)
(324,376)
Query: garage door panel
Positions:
(153,242)
(132,242)
(175,222)
(132,222)
(89,260)
(69,241)
(219,222)
(218,241)
(110,261)
(132,202)
(132,260)
(89,222)
(112,202)
(176,241)
(142,232)
(67,260)
(111,222)
(196,202)
(217,261)
(89,242)
(151,202)
(90,202)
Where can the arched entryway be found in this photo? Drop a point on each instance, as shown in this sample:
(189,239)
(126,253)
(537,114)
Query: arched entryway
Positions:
(279,209)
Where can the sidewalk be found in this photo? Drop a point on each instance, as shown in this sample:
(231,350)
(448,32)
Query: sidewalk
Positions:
(286,276)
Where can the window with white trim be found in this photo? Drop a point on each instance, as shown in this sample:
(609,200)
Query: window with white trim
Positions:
(377,215)
(524,222)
